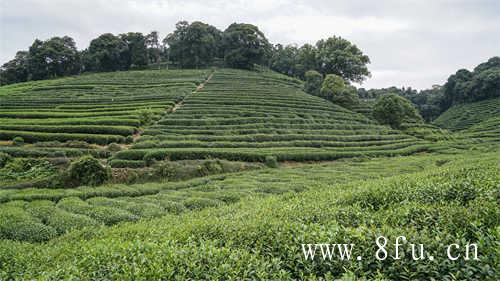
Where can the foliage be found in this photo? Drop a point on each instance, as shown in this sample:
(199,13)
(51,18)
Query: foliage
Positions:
(114,147)
(261,238)
(464,116)
(18,141)
(106,53)
(393,110)
(313,82)
(334,89)
(339,56)
(55,57)
(271,162)
(195,44)
(137,50)
(465,86)
(86,171)
(244,45)
(15,70)
(4,159)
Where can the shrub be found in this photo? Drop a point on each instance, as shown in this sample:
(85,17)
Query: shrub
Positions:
(114,147)
(199,203)
(272,162)
(393,110)
(86,171)
(18,141)
(17,224)
(335,89)
(4,159)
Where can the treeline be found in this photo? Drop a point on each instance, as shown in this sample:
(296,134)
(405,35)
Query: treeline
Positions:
(462,87)
(190,45)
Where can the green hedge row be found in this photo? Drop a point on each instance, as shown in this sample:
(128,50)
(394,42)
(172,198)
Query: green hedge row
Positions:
(32,137)
(82,129)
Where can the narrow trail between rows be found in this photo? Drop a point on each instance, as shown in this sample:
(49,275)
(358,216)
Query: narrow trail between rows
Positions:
(176,106)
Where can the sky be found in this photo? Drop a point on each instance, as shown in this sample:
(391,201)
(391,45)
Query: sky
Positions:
(416,43)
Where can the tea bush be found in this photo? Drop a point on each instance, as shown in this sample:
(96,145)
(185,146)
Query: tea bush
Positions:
(86,171)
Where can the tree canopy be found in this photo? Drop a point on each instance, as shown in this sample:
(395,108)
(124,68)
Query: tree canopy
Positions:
(466,86)
(393,110)
(107,53)
(244,45)
(336,55)
(195,44)
(337,91)
(190,45)
(52,58)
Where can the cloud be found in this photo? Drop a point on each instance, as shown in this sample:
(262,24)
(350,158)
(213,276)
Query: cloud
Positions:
(414,43)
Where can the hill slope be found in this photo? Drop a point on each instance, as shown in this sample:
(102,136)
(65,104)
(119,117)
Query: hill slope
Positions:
(96,108)
(463,116)
(241,115)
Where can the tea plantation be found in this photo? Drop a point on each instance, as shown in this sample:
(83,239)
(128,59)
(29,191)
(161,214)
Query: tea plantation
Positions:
(222,174)
(436,201)
(61,117)
(248,116)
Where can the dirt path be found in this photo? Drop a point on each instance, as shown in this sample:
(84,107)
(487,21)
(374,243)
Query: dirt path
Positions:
(176,106)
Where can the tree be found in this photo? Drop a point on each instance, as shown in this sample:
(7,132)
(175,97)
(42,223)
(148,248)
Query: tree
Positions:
(465,86)
(193,44)
(55,57)
(393,110)
(306,60)
(284,59)
(313,82)
(244,45)
(335,89)
(336,55)
(137,55)
(16,70)
(154,48)
(107,53)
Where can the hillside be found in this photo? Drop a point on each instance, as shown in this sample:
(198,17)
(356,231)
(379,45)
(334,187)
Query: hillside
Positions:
(463,116)
(62,117)
(248,116)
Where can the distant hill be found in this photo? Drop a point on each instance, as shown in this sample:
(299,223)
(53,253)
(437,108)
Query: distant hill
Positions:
(464,116)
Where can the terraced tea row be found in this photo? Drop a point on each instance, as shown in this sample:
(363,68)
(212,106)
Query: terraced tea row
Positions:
(41,214)
(96,108)
(464,116)
(249,116)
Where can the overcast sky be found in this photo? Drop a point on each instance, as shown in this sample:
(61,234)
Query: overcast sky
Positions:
(414,43)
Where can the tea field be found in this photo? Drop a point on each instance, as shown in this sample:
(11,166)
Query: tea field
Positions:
(222,174)
(248,116)
(433,200)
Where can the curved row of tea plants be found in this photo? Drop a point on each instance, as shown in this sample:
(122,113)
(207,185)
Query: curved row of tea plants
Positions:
(95,108)
(261,239)
(40,214)
(248,116)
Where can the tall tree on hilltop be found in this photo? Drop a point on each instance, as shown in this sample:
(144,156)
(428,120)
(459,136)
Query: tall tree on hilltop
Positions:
(137,50)
(336,55)
(154,48)
(16,70)
(107,53)
(244,45)
(55,57)
(193,45)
